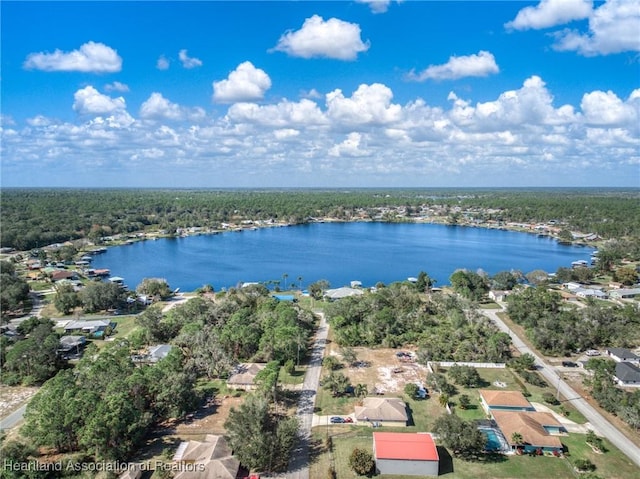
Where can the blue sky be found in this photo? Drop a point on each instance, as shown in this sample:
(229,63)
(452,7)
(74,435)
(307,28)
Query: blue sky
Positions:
(339,93)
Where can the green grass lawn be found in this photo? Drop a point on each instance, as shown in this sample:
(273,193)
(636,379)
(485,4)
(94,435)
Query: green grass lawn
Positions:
(611,465)
(297,377)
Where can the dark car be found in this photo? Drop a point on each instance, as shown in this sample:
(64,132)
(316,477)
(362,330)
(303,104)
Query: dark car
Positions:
(569,364)
(336,420)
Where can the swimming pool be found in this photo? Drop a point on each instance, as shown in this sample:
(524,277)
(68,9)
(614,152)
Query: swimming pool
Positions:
(495,440)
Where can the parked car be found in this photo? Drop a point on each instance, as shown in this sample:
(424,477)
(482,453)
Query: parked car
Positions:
(336,420)
(569,364)
(348,419)
(593,352)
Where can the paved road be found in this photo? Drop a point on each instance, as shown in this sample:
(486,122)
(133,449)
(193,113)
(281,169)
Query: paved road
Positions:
(12,419)
(597,420)
(299,464)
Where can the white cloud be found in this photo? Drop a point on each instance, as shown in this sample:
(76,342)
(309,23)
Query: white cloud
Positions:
(116,86)
(369,104)
(602,108)
(549,13)
(363,139)
(351,146)
(245,83)
(333,38)
(91,57)
(188,62)
(157,106)
(377,6)
(614,27)
(480,65)
(162,63)
(88,101)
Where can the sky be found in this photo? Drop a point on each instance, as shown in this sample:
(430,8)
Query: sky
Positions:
(320,94)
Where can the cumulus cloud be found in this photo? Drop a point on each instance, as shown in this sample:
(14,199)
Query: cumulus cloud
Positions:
(188,62)
(333,38)
(614,27)
(89,101)
(605,108)
(91,57)
(363,136)
(351,146)
(376,6)
(245,83)
(162,63)
(480,65)
(549,13)
(157,107)
(369,104)
(116,86)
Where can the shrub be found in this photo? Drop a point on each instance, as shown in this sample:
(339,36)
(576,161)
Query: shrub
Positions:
(549,398)
(411,390)
(289,366)
(584,465)
(361,461)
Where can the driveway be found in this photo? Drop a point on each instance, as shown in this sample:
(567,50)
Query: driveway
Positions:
(600,424)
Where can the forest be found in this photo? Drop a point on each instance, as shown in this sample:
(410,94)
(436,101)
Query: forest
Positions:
(33,218)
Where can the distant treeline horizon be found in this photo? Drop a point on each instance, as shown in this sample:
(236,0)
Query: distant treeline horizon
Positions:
(36,217)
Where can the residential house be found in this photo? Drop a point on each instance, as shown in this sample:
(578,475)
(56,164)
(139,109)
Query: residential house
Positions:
(208,459)
(377,411)
(627,374)
(406,454)
(339,293)
(620,355)
(156,353)
(95,327)
(539,430)
(590,293)
(497,295)
(61,274)
(624,293)
(134,471)
(504,401)
(72,344)
(244,376)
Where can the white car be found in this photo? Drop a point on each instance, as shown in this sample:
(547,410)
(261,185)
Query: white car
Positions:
(593,352)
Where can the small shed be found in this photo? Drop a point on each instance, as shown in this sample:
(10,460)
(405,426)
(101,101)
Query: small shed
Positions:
(406,454)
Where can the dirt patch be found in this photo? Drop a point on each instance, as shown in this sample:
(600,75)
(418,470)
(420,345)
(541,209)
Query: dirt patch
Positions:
(12,397)
(382,371)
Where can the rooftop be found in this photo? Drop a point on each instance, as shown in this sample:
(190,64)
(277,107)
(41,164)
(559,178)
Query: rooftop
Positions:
(530,425)
(408,446)
(504,398)
(382,409)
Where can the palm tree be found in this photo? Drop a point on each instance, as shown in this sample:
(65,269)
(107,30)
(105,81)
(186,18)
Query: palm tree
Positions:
(300,282)
(285,276)
(516,439)
(444,400)
(361,390)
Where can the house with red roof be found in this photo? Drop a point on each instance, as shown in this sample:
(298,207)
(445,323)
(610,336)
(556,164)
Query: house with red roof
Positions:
(406,454)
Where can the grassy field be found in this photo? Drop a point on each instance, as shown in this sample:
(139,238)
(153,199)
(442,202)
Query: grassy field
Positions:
(611,465)
(297,377)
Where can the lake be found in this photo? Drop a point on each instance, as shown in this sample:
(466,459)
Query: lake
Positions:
(337,252)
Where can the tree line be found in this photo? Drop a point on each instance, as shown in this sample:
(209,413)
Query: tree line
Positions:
(33,218)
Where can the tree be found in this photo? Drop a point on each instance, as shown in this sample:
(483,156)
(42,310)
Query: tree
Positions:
(466,376)
(626,275)
(537,277)
(317,289)
(424,283)
(102,296)
(335,382)
(525,362)
(361,461)
(155,287)
(516,439)
(462,437)
(464,401)
(360,390)
(504,280)
(66,299)
(469,284)
(331,363)
(411,390)
(349,355)
(259,439)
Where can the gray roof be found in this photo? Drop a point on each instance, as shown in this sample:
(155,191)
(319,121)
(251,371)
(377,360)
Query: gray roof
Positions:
(627,372)
(344,292)
(156,353)
(622,353)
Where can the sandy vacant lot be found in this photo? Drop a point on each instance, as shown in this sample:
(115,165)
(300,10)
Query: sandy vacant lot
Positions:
(381,371)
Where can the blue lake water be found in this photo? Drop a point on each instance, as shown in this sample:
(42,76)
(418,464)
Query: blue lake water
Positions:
(337,252)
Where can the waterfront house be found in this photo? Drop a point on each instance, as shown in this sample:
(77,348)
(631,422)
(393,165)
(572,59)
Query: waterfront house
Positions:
(539,430)
(504,401)
(406,454)
(624,293)
(71,344)
(627,374)
(211,458)
(339,293)
(377,411)
(244,376)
